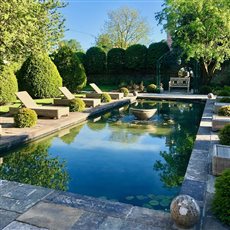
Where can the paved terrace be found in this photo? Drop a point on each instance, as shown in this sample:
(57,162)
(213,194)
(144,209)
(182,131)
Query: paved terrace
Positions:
(31,207)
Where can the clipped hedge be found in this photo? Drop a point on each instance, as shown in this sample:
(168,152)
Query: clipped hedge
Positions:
(105,97)
(225,100)
(39,77)
(76,105)
(152,88)
(8,85)
(135,57)
(25,118)
(224,135)
(116,60)
(125,91)
(95,60)
(221,204)
(224,111)
(70,68)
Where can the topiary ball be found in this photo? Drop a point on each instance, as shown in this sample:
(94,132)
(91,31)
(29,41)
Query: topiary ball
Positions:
(105,97)
(152,88)
(25,118)
(221,204)
(224,111)
(224,135)
(76,105)
(125,91)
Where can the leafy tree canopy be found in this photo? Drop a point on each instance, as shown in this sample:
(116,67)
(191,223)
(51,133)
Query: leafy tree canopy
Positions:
(72,44)
(104,41)
(28,26)
(201,28)
(126,27)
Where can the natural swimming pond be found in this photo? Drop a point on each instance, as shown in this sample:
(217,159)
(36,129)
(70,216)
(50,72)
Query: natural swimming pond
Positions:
(114,156)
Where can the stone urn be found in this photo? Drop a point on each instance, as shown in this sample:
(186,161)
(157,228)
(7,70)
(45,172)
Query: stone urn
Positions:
(185,212)
(143,114)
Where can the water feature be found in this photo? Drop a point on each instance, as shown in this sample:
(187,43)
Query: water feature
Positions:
(114,156)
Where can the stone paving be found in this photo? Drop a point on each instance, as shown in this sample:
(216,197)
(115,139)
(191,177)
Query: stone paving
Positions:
(32,207)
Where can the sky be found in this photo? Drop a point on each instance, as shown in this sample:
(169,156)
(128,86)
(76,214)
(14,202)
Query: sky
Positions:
(85,18)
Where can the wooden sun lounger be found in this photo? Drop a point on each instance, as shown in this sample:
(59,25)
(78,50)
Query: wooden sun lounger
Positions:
(46,111)
(90,102)
(98,93)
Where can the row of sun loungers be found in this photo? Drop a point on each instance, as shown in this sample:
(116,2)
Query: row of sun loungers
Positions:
(58,111)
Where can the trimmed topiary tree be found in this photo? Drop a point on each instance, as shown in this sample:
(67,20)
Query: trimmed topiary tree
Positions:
(224,135)
(125,91)
(95,61)
(76,105)
(152,88)
(39,77)
(224,111)
(155,51)
(70,68)
(116,60)
(135,57)
(221,204)
(8,85)
(105,97)
(25,118)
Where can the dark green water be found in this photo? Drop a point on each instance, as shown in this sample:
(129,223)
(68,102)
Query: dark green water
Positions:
(114,156)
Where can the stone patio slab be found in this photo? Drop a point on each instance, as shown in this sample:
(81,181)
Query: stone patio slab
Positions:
(6,217)
(51,216)
(16,225)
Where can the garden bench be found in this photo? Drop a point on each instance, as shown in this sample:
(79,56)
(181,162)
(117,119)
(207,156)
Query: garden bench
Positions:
(178,82)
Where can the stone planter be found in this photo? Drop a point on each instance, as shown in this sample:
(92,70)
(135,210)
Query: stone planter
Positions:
(143,114)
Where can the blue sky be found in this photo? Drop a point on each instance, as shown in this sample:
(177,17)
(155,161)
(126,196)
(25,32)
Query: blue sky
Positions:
(85,18)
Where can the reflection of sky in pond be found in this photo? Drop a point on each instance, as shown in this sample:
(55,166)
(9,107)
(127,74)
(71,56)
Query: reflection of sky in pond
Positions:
(113,156)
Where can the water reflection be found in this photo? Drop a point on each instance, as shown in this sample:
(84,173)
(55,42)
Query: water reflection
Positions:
(33,165)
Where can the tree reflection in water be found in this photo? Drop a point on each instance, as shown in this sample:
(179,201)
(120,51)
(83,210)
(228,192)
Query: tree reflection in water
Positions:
(34,166)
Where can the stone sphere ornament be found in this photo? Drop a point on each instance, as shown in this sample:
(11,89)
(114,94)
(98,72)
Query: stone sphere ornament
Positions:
(210,96)
(185,212)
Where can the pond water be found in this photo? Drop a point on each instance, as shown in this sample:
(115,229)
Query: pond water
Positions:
(114,156)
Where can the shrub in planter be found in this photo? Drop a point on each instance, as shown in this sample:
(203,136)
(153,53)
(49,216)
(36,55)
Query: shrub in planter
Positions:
(76,105)
(105,97)
(225,100)
(221,204)
(25,118)
(125,91)
(224,111)
(152,89)
(224,135)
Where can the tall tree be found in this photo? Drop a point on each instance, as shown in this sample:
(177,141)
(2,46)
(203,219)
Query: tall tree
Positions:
(29,25)
(126,27)
(73,44)
(104,41)
(201,28)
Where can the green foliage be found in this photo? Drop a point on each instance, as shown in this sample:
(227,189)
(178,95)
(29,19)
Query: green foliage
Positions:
(29,26)
(81,57)
(25,118)
(70,137)
(155,51)
(221,204)
(104,42)
(8,85)
(116,60)
(224,111)
(152,89)
(135,57)
(224,135)
(224,92)
(39,77)
(95,60)
(225,100)
(105,97)
(125,91)
(205,89)
(76,105)
(71,44)
(201,29)
(70,68)
(33,165)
